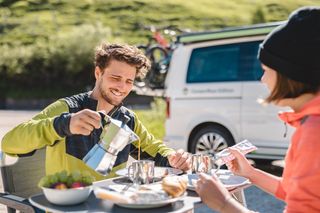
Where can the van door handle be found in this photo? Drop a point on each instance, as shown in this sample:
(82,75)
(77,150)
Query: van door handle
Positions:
(185,90)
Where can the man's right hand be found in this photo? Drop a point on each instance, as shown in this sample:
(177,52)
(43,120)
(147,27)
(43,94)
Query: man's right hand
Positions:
(84,122)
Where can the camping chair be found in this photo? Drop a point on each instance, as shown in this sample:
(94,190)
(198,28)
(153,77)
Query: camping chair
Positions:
(20,181)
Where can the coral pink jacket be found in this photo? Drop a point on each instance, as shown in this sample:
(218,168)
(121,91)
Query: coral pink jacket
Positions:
(300,184)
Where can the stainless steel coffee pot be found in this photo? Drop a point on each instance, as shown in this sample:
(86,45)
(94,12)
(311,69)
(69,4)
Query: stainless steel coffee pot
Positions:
(114,137)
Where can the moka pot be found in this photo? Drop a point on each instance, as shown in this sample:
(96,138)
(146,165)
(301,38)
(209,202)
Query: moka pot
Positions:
(114,137)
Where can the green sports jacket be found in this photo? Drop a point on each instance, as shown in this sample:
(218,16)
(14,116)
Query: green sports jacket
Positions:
(64,151)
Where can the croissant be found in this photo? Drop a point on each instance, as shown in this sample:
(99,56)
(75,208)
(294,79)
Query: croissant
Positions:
(175,186)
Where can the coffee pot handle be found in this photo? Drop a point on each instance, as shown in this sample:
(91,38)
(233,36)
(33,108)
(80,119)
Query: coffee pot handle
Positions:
(125,120)
(103,120)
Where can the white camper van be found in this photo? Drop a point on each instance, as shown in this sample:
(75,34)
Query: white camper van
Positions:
(212,90)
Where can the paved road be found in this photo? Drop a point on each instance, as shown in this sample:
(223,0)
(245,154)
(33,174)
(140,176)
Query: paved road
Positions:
(256,199)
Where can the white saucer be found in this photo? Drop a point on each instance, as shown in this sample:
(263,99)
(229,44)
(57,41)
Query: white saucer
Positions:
(229,180)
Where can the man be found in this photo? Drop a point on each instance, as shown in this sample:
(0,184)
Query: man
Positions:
(70,127)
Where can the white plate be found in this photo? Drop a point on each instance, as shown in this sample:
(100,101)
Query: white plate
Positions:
(158,171)
(148,204)
(229,180)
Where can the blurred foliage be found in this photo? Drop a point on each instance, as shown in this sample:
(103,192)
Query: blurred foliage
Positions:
(258,16)
(155,118)
(62,62)
(48,45)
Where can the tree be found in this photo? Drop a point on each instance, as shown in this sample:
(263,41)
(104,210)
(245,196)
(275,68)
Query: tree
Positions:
(258,16)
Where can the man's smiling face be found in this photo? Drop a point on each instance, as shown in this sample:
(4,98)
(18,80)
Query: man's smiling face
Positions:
(115,82)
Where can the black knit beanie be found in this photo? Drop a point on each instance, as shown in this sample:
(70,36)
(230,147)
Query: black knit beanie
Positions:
(293,48)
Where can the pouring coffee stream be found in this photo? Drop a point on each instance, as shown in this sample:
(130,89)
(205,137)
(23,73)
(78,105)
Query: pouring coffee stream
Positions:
(114,137)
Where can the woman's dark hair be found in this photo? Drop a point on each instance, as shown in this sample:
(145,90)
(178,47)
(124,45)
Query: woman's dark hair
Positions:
(287,88)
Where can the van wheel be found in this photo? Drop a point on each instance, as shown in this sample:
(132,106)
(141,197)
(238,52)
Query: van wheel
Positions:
(211,140)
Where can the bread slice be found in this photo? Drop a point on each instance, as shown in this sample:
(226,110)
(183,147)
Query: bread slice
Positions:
(175,186)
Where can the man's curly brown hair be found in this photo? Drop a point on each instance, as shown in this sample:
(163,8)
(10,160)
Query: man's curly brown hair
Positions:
(124,53)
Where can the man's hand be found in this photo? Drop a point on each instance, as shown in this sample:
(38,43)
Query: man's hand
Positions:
(180,160)
(84,122)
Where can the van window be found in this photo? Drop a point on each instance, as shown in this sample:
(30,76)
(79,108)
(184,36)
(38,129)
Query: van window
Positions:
(232,62)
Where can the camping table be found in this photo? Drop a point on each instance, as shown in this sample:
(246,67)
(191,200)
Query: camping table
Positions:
(92,204)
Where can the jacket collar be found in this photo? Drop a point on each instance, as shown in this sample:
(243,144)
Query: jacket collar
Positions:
(90,103)
(310,108)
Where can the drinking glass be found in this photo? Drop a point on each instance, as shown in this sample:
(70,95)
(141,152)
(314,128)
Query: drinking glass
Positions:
(141,172)
(202,163)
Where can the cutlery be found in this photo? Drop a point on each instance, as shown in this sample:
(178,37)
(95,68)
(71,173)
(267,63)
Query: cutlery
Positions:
(126,188)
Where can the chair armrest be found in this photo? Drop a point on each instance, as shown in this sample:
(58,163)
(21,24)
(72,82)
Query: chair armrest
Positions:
(16,202)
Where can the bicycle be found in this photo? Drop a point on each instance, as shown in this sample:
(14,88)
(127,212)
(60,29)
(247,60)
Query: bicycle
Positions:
(158,49)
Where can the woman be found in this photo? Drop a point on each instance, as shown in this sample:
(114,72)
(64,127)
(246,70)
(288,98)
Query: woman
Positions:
(290,57)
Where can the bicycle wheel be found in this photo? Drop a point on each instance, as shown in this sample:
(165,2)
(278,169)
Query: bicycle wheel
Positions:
(139,82)
(143,48)
(156,54)
(160,60)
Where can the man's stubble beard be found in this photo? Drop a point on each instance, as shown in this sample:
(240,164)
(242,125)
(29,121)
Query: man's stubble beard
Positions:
(105,96)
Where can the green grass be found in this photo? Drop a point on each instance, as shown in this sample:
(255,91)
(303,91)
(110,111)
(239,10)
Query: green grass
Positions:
(53,38)
(154,118)
(27,20)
